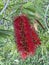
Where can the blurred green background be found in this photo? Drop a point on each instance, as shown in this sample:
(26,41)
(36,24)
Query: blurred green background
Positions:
(34,9)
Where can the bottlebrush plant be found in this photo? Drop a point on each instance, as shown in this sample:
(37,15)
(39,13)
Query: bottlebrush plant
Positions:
(26,37)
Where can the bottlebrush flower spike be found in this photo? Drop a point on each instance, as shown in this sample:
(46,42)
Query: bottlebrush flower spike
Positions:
(26,37)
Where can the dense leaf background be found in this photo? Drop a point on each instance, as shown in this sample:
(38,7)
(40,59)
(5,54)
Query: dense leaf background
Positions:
(34,9)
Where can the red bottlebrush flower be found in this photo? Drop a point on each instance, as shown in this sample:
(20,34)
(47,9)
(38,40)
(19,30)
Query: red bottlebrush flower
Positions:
(26,38)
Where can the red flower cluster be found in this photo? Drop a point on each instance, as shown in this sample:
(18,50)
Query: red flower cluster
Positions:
(26,37)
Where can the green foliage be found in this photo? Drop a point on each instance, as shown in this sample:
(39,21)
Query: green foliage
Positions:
(34,9)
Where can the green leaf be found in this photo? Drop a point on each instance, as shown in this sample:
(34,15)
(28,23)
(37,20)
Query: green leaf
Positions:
(27,4)
(28,12)
(4,33)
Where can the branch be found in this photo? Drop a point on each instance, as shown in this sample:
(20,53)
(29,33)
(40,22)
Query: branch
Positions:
(4,7)
(40,24)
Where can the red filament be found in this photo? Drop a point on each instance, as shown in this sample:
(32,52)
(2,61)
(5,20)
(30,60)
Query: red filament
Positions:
(26,37)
